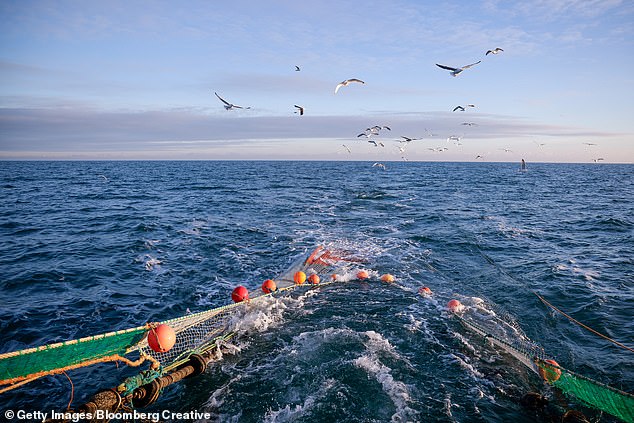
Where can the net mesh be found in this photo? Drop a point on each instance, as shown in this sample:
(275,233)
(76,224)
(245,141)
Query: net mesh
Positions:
(594,394)
(201,332)
(55,358)
(195,333)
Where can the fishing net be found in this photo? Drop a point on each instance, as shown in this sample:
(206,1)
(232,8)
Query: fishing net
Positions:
(195,333)
(594,394)
(201,332)
(55,358)
(501,330)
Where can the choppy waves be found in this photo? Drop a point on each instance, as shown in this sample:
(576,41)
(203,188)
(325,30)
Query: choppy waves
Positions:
(89,247)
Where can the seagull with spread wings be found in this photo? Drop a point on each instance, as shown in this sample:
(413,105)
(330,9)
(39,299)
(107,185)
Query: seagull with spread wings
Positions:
(494,51)
(380,165)
(456,71)
(346,82)
(300,110)
(228,105)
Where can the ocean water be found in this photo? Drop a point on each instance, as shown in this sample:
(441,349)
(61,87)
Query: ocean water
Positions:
(91,247)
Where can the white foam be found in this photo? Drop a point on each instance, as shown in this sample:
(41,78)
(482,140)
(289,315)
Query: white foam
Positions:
(397,391)
(298,411)
(259,316)
(447,407)
(216,401)
(152,263)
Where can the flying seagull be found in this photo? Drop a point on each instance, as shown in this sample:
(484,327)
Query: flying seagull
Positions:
(463,108)
(456,71)
(469,124)
(300,110)
(381,165)
(228,105)
(377,128)
(589,143)
(297,68)
(598,160)
(346,82)
(347,148)
(495,51)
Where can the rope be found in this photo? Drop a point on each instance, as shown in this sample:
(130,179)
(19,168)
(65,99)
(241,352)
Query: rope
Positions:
(22,379)
(72,391)
(581,324)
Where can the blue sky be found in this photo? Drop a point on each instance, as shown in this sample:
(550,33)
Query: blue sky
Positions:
(136,80)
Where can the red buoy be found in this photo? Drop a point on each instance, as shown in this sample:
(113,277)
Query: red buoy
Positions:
(314,279)
(239,294)
(454,306)
(161,338)
(424,291)
(334,277)
(299,278)
(362,274)
(387,278)
(550,374)
(269,286)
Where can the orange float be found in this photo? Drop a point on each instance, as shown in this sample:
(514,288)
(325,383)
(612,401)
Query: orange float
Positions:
(334,277)
(454,306)
(550,374)
(239,294)
(314,279)
(161,338)
(425,291)
(362,274)
(387,278)
(299,277)
(269,286)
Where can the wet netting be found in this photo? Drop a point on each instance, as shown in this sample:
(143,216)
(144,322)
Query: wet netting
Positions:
(506,334)
(594,394)
(19,367)
(195,334)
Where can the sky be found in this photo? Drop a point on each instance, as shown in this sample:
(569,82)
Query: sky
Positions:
(128,80)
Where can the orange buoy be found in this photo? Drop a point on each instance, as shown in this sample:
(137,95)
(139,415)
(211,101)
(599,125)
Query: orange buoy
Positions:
(334,277)
(161,338)
(362,274)
(269,286)
(424,291)
(239,294)
(314,279)
(387,278)
(454,306)
(299,277)
(550,374)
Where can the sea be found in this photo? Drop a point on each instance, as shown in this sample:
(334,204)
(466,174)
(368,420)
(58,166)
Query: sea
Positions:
(88,247)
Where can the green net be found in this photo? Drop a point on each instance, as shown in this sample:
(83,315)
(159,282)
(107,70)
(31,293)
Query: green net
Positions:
(590,392)
(55,358)
(594,394)
(195,333)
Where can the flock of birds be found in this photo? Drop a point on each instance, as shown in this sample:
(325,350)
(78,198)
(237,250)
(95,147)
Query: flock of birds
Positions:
(376,130)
